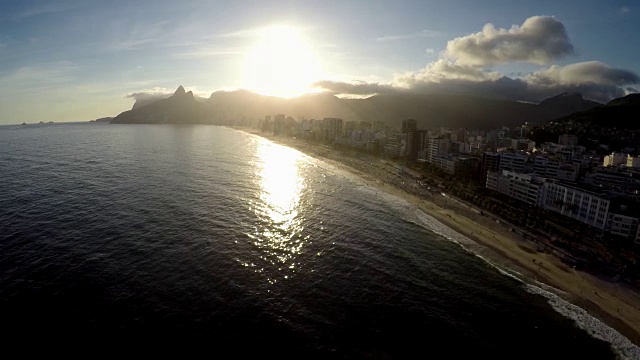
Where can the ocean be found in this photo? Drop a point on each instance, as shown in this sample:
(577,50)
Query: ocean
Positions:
(210,237)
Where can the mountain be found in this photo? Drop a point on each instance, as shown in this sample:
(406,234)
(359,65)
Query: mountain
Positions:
(619,113)
(146,99)
(229,106)
(180,108)
(567,103)
(431,110)
(616,124)
(629,100)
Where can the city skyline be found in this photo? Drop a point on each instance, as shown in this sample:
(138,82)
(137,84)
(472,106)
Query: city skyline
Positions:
(76,61)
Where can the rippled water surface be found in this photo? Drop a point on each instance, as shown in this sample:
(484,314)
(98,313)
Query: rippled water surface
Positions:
(214,237)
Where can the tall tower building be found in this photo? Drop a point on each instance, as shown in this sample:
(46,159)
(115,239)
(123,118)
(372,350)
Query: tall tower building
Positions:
(409,125)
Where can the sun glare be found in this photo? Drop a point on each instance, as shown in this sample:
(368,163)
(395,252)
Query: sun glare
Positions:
(281,63)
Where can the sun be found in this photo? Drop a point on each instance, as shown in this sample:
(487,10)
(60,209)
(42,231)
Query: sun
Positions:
(281,63)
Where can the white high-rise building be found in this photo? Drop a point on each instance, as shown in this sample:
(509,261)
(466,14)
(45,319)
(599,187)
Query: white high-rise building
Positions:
(587,206)
(523,187)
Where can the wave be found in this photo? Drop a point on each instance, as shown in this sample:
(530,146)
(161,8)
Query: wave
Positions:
(622,347)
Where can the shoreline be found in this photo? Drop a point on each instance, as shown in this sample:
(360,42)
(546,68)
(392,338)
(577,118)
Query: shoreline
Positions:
(612,303)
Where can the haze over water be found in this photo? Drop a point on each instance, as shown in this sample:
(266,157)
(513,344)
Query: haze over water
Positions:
(219,238)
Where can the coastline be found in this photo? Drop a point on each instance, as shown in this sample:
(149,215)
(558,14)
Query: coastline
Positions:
(613,303)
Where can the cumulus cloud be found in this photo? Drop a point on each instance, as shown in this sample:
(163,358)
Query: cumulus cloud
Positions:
(540,40)
(441,70)
(594,80)
(465,68)
(590,72)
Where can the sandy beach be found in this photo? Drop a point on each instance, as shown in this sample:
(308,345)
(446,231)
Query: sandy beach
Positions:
(613,303)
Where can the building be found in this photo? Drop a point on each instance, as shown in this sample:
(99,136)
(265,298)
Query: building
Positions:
(522,145)
(350,126)
(461,135)
(379,126)
(409,125)
(467,166)
(585,204)
(622,225)
(523,187)
(633,161)
(365,125)
(423,144)
(331,128)
(615,159)
(416,143)
(514,161)
(394,146)
(438,147)
(617,180)
(279,124)
(490,162)
(555,167)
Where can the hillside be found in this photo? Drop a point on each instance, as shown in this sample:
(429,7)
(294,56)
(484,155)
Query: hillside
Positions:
(616,124)
(180,108)
(430,110)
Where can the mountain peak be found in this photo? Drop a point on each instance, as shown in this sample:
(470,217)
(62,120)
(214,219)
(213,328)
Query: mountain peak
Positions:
(567,103)
(629,100)
(564,96)
(179,91)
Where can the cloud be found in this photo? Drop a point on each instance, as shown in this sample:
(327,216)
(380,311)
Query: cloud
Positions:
(418,34)
(251,32)
(441,69)
(540,40)
(590,72)
(594,80)
(40,76)
(356,88)
(260,31)
(624,10)
(43,9)
(430,51)
(147,96)
(464,68)
(155,91)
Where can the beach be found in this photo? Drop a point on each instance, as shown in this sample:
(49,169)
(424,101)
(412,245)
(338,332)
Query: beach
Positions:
(613,303)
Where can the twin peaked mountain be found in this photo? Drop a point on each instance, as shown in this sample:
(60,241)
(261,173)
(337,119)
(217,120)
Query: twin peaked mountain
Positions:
(180,108)
(431,110)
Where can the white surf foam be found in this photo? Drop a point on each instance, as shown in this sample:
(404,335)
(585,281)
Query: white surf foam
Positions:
(622,347)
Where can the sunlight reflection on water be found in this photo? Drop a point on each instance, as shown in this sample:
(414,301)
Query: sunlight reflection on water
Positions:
(279,233)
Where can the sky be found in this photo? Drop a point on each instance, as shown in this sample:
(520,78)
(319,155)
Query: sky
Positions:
(82,60)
